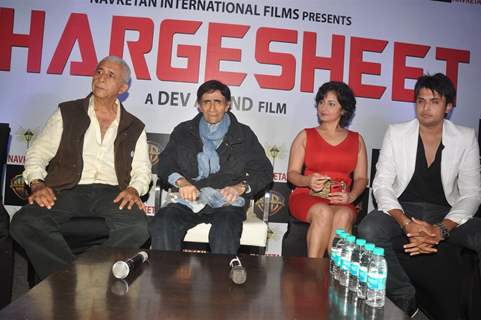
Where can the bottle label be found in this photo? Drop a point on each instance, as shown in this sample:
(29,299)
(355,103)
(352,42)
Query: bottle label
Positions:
(345,264)
(338,260)
(355,268)
(376,281)
(334,254)
(362,274)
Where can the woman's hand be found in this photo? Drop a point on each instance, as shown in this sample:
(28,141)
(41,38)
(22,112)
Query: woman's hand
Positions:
(317,181)
(341,197)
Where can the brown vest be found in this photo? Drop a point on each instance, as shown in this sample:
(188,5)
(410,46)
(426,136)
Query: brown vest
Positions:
(65,169)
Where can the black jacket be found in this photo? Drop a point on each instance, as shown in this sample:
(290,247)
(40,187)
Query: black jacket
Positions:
(242,157)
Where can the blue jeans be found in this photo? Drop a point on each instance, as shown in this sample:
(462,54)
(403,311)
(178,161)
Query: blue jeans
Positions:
(171,223)
(380,228)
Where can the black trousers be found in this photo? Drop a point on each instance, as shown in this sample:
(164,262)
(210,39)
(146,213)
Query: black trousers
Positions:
(171,223)
(381,229)
(36,229)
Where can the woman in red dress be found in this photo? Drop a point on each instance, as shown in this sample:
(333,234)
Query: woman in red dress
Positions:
(327,154)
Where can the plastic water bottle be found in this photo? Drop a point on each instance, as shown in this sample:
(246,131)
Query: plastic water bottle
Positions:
(355,261)
(363,268)
(346,261)
(340,245)
(335,250)
(376,279)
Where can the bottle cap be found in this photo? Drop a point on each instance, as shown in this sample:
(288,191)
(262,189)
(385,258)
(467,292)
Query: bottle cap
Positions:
(379,251)
(351,238)
(360,242)
(369,246)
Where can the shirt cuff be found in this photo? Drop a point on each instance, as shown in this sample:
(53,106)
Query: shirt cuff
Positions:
(139,187)
(248,188)
(173,177)
(32,176)
(458,218)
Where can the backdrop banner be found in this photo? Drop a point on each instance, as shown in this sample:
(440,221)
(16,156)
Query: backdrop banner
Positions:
(274,55)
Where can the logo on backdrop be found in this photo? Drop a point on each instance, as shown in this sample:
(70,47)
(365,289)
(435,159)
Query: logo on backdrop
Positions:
(17,184)
(28,135)
(277,203)
(154,152)
(275,153)
(15,190)
(278,211)
(156,143)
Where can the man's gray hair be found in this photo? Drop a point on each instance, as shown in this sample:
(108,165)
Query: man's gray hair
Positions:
(126,69)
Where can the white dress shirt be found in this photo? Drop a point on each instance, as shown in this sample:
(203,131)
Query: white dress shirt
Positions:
(97,154)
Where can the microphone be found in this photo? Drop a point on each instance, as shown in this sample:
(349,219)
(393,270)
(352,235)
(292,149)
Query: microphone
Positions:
(238,273)
(122,268)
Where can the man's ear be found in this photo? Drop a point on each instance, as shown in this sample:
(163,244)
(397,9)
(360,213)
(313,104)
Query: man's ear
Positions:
(229,104)
(123,88)
(449,107)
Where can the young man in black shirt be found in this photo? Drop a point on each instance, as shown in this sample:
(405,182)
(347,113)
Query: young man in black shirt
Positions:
(427,185)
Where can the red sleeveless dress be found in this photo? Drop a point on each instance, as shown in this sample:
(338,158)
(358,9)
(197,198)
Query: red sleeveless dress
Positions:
(337,162)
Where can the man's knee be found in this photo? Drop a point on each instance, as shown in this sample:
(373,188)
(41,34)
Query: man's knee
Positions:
(138,226)
(140,231)
(230,221)
(371,227)
(138,216)
(18,229)
(24,222)
(474,236)
(468,235)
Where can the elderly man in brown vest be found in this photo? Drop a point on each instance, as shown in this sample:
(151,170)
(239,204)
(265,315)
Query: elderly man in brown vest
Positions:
(91,159)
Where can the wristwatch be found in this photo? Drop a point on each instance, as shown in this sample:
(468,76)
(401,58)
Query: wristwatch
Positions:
(35,181)
(443,229)
(247,187)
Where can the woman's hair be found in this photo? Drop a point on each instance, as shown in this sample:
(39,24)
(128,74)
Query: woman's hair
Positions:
(344,95)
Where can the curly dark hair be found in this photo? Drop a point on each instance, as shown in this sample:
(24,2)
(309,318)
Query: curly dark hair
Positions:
(213,85)
(439,83)
(344,95)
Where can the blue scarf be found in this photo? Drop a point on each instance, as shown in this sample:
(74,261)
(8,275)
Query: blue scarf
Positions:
(212,136)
